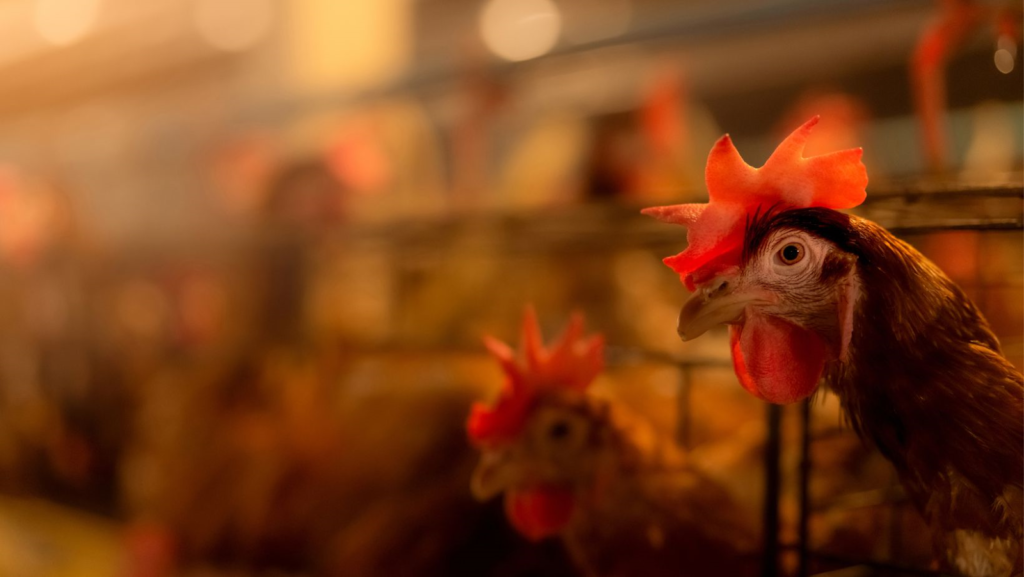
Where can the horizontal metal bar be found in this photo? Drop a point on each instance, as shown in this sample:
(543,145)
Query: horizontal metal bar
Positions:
(615,356)
(879,565)
(870,563)
(904,210)
(865,499)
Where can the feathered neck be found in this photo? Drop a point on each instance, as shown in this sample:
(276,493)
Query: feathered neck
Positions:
(910,317)
(926,381)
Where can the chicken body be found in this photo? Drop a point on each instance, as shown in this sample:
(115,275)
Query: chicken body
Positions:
(279,465)
(676,523)
(638,508)
(575,466)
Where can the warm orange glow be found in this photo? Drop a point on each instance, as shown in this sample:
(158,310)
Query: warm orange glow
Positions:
(599,19)
(64,22)
(234,25)
(355,45)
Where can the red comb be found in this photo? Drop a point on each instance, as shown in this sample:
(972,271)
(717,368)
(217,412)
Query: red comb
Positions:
(571,363)
(736,189)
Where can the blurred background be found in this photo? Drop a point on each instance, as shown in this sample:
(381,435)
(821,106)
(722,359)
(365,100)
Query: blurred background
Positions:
(248,249)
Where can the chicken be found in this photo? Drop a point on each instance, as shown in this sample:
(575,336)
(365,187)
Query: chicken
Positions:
(811,293)
(281,463)
(571,465)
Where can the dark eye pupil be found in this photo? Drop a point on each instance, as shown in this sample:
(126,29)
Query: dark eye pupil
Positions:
(559,430)
(791,252)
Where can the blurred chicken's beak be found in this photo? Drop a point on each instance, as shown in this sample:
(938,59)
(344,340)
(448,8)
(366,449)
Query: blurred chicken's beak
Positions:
(720,301)
(495,473)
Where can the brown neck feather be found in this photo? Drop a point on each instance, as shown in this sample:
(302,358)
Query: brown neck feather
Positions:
(925,378)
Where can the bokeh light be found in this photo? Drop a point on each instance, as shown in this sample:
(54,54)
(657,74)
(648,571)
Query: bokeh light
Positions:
(1005,56)
(1004,61)
(234,25)
(64,22)
(519,30)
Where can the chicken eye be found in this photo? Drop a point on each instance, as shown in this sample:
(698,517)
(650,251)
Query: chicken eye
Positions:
(558,430)
(792,253)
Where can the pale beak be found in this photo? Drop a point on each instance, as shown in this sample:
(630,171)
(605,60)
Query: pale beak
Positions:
(720,301)
(495,473)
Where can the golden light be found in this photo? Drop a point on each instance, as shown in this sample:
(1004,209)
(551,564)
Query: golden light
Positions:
(234,25)
(64,22)
(334,44)
(520,29)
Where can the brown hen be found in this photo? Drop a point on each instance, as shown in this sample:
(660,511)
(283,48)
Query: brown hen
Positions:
(574,466)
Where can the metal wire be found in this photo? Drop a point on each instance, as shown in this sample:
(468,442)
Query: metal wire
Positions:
(803,552)
(903,208)
(772,492)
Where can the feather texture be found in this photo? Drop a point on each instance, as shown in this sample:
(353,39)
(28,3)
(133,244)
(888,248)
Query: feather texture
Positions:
(924,378)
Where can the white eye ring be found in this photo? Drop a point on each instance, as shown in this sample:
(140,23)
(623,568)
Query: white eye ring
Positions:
(791,253)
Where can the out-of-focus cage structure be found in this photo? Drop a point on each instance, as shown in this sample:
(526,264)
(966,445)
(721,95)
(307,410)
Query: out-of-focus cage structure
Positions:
(829,504)
(260,261)
(980,217)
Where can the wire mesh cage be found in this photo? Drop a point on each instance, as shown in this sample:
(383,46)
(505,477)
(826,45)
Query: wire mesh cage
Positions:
(974,230)
(403,306)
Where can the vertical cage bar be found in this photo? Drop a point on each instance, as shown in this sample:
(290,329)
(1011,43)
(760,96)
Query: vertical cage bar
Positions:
(770,561)
(684,408)
(805,482)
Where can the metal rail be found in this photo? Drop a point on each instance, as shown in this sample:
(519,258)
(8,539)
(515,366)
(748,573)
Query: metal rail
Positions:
(904,208)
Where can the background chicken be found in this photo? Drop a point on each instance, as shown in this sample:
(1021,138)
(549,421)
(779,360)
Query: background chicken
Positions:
(277,465)
(811,292)
(570,464)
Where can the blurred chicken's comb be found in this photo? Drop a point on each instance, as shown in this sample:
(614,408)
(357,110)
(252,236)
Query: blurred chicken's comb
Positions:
(571,363)
(736,189)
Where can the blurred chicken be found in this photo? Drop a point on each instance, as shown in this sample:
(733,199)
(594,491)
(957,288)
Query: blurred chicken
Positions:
(572,465)
(276,465)
(811,292)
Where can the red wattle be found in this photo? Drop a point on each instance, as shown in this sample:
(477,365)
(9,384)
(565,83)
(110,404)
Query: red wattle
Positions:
(541,511)
(739,365)
(775,360)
